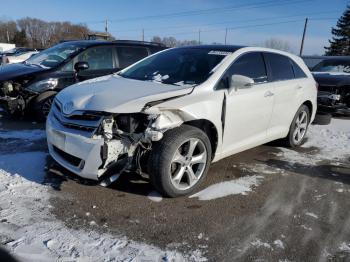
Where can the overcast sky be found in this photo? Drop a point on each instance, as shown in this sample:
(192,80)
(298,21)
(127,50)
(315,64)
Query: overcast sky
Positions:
(250,22)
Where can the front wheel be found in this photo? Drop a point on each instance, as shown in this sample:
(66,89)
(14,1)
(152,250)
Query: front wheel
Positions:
(42,105)
(298,127)
(180,161)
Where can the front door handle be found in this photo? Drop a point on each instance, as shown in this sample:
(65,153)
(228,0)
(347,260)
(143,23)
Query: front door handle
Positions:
(299,87)
(268,94)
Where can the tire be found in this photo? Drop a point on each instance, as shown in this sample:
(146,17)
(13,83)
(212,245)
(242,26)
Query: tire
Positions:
(42,104)
(171,156)
(322,118)
(290,140)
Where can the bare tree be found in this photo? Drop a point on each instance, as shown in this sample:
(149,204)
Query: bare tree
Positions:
(172,41)
(279,44)
(42,34)
(8,30)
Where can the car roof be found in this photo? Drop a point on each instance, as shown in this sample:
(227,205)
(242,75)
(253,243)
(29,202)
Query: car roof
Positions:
(224,48)
(327,57)
(88,43)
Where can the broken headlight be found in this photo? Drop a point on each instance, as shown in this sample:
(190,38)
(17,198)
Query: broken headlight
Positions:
(43,85)
(6,88)
(132,123)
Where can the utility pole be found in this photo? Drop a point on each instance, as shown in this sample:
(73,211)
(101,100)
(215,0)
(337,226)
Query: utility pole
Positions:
(106,26)
(225,36)
(199,36)
(303,38)
(143,34)
(8,36)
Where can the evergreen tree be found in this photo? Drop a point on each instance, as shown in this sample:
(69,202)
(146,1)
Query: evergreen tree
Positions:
(340,43)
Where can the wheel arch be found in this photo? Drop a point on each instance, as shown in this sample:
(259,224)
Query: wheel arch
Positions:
(209,129)
(309,106)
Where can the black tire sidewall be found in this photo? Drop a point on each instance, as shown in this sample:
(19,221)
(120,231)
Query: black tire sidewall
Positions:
(162,154)
(39,102)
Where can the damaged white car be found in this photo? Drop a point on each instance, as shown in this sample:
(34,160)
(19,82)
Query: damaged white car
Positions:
(172,114)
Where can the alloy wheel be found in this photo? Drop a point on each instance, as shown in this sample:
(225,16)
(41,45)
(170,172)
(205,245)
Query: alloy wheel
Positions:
(300,127)
(188,164)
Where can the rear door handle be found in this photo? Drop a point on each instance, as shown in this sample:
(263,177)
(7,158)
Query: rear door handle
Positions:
(299,87)
(268,94)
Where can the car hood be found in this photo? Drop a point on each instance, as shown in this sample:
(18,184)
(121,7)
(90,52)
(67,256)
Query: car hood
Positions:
(115,94)
(331,78)
(12,71)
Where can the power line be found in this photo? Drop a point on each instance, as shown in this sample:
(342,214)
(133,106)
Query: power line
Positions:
(212,10)
(248,26)
(230,21)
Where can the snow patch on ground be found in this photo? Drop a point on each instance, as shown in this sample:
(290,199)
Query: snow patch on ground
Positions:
(306,228)
(30,134)
(155,196)
(262,169)
(311,215)
(278,243)
(31,233)
(241,185)
(258,243)
(333,142)
(344,247)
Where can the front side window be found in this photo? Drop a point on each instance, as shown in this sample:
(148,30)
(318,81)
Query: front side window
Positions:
(333,65)
(128,55)
(281,67)
(98,58)
(179,66)
(250,65)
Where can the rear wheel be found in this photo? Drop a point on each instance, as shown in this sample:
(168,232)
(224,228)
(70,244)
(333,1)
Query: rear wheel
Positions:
(180,161)
(298,127)
(42,105)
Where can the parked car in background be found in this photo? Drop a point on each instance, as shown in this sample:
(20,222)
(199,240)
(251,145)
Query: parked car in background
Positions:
(5,47)
(32,85)
(7,56)
(172,114)
(311,61)
(333,77)
(18,58)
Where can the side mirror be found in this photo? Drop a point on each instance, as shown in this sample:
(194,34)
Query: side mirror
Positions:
(240,82)
(80,66)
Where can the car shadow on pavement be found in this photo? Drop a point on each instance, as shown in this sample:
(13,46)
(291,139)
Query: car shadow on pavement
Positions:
(127,182)
(339,172)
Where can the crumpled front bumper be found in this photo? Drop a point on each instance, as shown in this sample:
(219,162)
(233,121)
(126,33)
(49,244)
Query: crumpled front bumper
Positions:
(12,105)
(77,153)
(332,103)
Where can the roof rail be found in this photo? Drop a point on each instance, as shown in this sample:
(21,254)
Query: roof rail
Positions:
(138,42)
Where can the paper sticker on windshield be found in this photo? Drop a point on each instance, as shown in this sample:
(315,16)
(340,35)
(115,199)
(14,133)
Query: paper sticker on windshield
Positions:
(215,52)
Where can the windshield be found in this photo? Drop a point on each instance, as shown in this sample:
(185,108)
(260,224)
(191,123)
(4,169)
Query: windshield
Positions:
(55,55)
(333,65)
(179,66)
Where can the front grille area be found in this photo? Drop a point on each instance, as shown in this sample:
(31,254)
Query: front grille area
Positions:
(75,161)
(86,122)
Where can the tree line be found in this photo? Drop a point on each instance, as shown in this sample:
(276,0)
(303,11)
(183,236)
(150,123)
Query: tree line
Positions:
(37,33)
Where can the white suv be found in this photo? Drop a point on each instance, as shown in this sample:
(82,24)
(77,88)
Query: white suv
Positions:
(172,114)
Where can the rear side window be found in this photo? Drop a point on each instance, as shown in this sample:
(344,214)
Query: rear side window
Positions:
(128,55)
(251,65)
(298,72)
(281,67)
